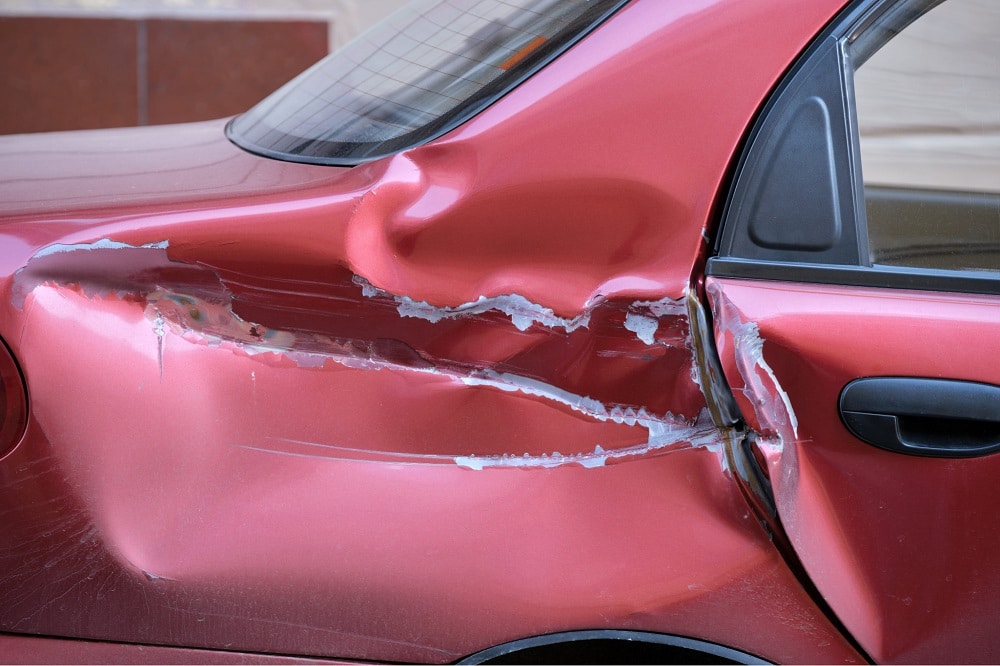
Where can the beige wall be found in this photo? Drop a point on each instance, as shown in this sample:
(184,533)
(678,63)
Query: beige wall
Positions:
(929,102)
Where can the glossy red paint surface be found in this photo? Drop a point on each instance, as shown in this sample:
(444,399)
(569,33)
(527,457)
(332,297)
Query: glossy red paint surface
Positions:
(34,650)
(899,545)
(405,411)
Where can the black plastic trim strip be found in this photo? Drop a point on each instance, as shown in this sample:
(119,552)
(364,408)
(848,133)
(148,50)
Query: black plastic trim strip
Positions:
(890,277)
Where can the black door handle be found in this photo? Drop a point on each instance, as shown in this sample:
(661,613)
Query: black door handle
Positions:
(925,417)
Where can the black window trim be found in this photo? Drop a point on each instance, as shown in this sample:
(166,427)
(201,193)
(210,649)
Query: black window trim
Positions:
(850,23)
(890,277)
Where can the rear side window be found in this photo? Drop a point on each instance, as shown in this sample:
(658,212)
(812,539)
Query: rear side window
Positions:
(416,75)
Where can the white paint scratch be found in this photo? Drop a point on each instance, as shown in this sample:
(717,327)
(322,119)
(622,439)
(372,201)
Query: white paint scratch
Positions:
(643,317)
(102,244)
(749,348)
(158,329)
(770,402)
(522,312)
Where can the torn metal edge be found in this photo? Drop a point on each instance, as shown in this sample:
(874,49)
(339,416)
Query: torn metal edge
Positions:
(522,312)
(666,432)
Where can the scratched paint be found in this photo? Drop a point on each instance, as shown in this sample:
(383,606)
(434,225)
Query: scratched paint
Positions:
(522,312)
(762,398)
(206,315)
(590,354)
(188,315)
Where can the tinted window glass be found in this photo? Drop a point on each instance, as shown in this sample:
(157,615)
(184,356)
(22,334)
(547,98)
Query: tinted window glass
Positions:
(418,73)
(928,106)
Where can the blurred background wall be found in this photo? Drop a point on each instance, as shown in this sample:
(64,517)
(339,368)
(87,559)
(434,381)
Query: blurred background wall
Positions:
(82,64)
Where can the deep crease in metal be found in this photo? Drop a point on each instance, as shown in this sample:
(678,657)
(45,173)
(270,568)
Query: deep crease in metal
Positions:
(206,316)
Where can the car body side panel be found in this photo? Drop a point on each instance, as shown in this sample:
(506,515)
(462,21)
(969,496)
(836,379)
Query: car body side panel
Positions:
(239,534)
(900,546)
(405,411)
(44,650)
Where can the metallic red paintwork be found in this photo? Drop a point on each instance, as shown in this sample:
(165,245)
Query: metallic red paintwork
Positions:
(35,650)
(901,546)
(405,411)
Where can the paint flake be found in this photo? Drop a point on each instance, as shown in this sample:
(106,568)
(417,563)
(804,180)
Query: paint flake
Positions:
(644,327)
(643,317)
(209,319)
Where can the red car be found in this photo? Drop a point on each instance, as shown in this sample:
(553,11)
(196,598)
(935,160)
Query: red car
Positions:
(533,330)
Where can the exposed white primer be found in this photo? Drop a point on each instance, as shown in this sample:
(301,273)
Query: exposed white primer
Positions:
(509,382)
(596,458)
(749,348)
(644,327)
(665,433)
(643,317)
(663,307)
(522,312)
(771,403)
(663,438)
(214,323)
(102,244)
(158,329)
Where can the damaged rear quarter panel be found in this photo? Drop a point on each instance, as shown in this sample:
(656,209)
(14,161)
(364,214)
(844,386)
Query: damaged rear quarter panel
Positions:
(404,411)
(222,497)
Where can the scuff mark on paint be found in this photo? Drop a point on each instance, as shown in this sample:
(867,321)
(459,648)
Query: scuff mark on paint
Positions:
(694,438)
(522,312)
(159,331)
(766,392)
(556,359)
(770,403)
(643,317)
(214,323)
(664,438)
(587,352)
(664,432)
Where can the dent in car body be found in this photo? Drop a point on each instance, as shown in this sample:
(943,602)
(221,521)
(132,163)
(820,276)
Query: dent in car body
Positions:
(839,497)
(244,476)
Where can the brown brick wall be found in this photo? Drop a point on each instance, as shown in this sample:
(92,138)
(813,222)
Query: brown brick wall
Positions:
(81,73)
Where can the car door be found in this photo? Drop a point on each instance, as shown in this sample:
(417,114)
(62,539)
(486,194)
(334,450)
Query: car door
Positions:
(856,296)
